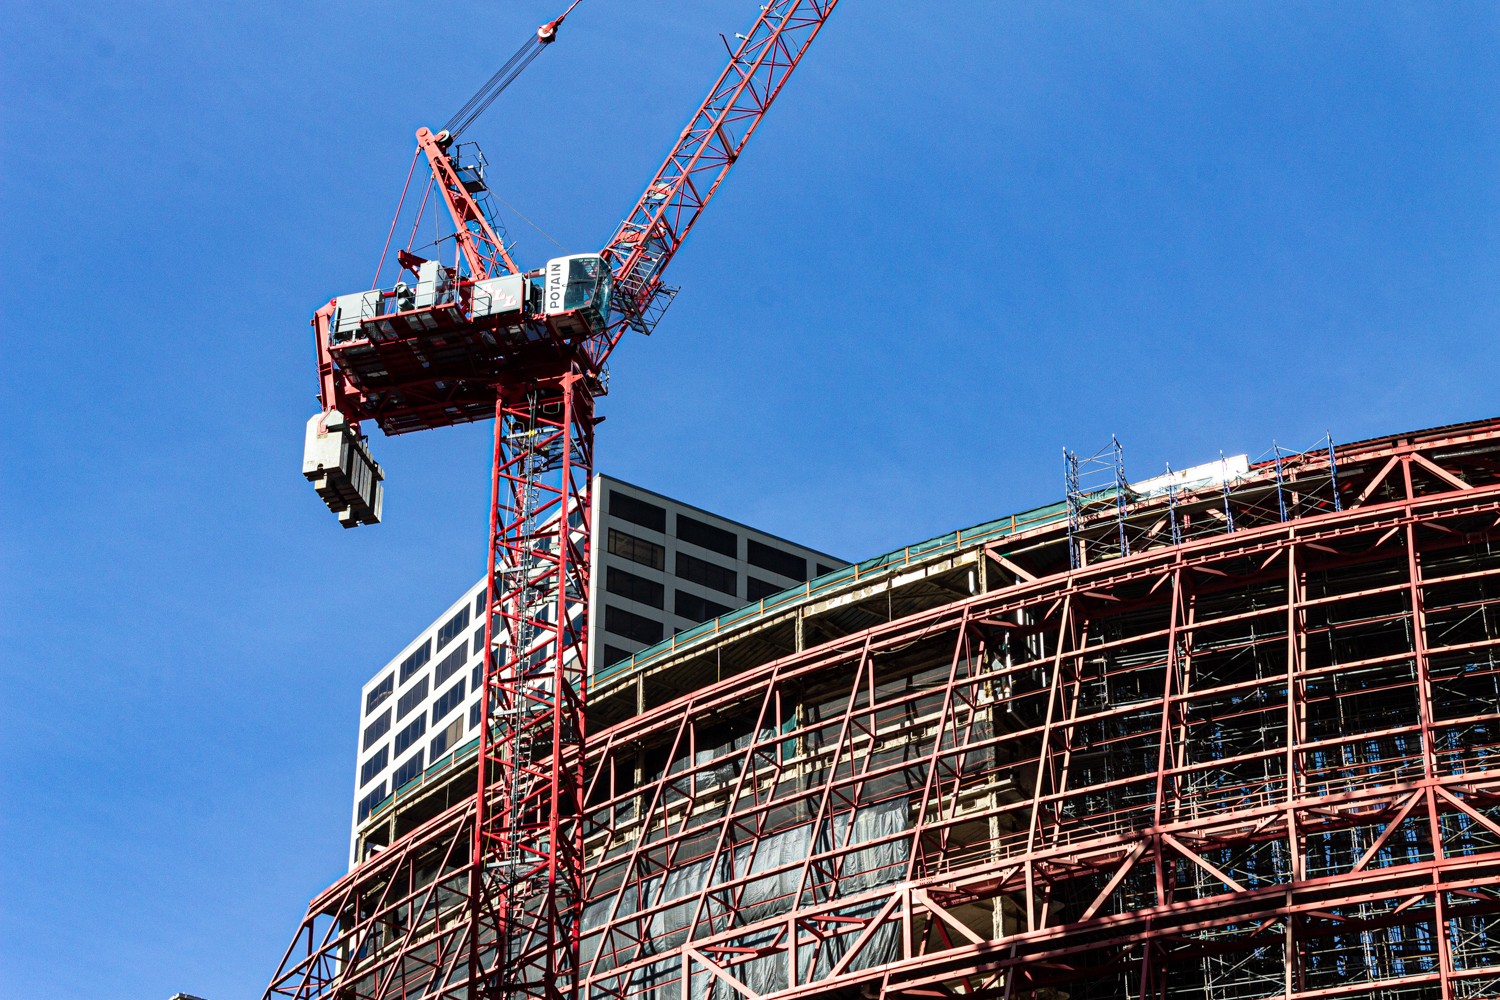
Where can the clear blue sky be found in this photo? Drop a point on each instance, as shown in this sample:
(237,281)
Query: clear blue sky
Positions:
(967,236)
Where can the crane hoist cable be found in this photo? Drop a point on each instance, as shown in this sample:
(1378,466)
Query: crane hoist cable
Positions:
(529,50)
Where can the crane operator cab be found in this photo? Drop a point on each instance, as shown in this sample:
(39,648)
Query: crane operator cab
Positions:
(576,292)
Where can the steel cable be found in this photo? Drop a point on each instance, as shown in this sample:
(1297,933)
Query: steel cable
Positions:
(528,51)
(490,91)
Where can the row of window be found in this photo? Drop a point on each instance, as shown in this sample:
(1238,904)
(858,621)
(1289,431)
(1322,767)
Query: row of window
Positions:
(637,549)
(448,701)
(414,696)
(409,769)
(632,587)
(407,737)
(453,628)
(649,592)
(696,609)
(369,802)
(379,693)
(647,515)
(378,728)
(450,735)
(706,536)
(374,765)
(413,732)
(699,533)
(756,590)
(423,653)
(416,661)
(631,625)
(776,560)
(707,574)
(450,664)
(648,630)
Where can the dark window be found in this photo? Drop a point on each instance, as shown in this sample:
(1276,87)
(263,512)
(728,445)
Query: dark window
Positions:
(479,605)
(416,661)
(637,588)
(718,540)
(697,608)
(696,570)
(378,728)
(379,693)
(776,560)
(474,715)
(647,515)
(757,589)
(407,771)
(477,641)
(411,733)
(622,622)
(637,550)
(825,570)
(476,676)
(411,699)
(451,663)
(377,762)
(448,701)
(614,654)
(369,802)
(447,738)
(453,627)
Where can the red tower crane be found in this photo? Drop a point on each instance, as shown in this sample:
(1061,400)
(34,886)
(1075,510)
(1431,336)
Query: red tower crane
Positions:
(480,339)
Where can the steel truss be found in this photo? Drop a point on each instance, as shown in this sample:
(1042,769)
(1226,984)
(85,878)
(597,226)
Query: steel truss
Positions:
(1111,811)
(528,856)
(1257,763)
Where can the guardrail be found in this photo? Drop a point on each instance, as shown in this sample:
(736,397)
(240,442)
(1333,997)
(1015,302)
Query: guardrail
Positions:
(829,583)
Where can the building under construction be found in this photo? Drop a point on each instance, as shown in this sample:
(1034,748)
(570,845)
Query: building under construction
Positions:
(1229,733)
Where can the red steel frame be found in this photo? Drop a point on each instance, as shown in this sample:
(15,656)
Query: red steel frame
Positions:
(708,147)
(481,248)
(1016,867)
(502,917)
(1195,858)
(527,860)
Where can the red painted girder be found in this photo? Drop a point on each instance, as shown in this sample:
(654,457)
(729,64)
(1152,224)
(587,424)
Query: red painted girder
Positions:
(483,250)
(712,142)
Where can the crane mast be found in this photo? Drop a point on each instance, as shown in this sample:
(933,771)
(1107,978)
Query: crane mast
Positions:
(483,339)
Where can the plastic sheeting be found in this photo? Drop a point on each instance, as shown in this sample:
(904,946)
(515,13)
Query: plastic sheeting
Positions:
(879,864)
(762,898)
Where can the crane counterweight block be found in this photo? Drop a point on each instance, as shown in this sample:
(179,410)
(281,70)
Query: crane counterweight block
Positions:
(336,460)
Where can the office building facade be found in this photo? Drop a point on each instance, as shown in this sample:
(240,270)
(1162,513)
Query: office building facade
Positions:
(658,567)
